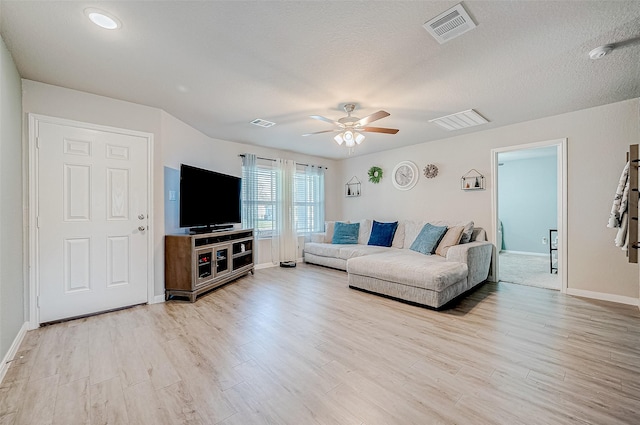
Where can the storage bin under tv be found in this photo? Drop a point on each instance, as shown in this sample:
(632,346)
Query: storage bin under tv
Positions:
(194,264)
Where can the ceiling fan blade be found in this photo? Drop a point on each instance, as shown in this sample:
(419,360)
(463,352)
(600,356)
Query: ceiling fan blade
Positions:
(318,132)
(371,118)
(379,130)
(321,118)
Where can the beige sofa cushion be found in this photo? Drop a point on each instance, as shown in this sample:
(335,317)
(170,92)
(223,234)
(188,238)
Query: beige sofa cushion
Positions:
(352,251)
(410,268)
(323,249)
(451,238)
(342,251)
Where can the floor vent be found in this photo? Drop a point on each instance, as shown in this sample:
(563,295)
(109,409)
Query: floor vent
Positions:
(450,24)
(460,120)
(262,123)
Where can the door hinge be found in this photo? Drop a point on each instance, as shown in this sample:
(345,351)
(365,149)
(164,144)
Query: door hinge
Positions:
(38,222)
(38,301)
(37,143)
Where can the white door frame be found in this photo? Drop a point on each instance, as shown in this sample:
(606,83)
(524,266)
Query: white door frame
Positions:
(32,205)
(561,145)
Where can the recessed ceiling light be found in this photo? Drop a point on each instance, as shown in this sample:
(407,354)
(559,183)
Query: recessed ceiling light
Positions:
(103,19)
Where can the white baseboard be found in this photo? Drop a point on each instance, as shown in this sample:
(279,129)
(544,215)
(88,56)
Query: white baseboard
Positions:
(621,299)
(157,299)
(535,254)
(13,350)
(264,266)
(269,265)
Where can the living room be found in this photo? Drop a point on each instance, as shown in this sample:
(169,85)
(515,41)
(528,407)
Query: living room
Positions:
(598,137)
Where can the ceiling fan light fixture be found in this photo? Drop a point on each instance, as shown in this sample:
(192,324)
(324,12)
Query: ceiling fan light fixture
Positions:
(348,136)
(350,128)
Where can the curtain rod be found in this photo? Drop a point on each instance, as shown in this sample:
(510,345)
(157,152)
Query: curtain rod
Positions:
(272,159)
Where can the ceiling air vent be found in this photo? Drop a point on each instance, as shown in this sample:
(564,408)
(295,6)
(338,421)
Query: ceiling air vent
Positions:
(262,123)
(460,120)
(450,24)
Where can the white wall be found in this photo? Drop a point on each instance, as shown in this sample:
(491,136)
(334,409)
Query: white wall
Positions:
(598,139)
(12,305)
(174,142)
(528,203)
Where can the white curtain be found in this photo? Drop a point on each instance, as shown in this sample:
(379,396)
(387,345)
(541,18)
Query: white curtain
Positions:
(250,197)
(284,242)
(314,195)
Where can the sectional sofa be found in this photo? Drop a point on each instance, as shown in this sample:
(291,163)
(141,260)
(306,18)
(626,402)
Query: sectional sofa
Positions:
(400,272)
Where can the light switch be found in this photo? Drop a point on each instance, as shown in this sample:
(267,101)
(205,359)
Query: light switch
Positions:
(172,195)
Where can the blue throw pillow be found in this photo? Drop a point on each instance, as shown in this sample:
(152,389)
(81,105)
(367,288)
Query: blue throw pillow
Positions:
(382,233)
(345,233)
(428,239)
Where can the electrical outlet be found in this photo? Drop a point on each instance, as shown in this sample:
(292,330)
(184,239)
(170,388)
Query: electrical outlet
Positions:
(544,241)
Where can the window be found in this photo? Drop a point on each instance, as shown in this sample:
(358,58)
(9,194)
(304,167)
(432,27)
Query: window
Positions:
(308,200)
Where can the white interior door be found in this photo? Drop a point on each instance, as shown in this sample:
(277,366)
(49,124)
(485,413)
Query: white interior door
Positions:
(92,216)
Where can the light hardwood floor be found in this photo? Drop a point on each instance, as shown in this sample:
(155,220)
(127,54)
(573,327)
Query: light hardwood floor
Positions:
(297,346)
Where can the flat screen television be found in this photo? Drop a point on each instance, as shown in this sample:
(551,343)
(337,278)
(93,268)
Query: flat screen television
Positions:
(208,200)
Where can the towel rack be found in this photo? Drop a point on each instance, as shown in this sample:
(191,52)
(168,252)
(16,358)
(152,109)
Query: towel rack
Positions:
(632,216)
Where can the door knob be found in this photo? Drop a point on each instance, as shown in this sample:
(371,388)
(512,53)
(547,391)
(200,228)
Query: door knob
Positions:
(141,216)
(141,228)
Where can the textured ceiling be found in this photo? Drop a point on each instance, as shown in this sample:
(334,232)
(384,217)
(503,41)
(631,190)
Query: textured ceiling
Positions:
(218,65)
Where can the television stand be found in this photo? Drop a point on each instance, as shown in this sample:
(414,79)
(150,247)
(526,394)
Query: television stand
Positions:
(195,264)
(209,229)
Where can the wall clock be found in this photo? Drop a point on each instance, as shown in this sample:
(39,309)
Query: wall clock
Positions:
(430,171)
(375,174)
(405,175)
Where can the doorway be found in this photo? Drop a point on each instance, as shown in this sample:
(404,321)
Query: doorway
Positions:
(90,197)
(529,214)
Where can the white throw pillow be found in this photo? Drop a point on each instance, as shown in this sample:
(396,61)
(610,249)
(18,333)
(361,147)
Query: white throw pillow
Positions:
(398,238)
(365,231)
(328,231)
(411,231)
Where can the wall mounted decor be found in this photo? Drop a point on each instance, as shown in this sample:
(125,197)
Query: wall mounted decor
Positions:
(352,188)
(375,174)
(405,175)
(430,171)
(473,180)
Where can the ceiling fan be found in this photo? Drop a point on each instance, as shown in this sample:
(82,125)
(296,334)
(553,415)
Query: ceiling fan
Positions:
(351,128)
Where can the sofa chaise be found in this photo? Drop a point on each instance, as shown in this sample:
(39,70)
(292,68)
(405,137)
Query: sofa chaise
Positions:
(400,272)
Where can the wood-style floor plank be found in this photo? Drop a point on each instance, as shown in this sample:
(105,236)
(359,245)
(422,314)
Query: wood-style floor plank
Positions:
(107,403)
(72,403)
(297,346)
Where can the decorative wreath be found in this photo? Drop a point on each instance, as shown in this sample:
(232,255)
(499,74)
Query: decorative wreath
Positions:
(375,174)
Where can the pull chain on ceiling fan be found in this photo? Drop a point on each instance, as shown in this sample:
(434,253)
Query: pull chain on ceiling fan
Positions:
(351,128)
